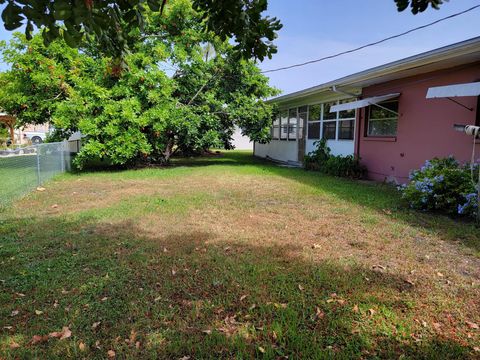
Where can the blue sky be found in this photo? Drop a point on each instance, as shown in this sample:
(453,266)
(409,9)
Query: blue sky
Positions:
(315,28)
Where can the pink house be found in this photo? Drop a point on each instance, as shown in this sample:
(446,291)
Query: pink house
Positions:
(383,114)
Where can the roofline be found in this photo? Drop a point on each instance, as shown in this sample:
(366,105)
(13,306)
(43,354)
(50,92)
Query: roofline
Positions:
(432,56)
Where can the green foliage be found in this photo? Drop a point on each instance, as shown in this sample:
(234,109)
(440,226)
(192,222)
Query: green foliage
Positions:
(143,114)
(418,6)
(40,78)
(113,23)
(318,157)
(322,160)
(443,185)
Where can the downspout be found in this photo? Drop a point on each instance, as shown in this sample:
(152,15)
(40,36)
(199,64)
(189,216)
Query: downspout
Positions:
(359,131)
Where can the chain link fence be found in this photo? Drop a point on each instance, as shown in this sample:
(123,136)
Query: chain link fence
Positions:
(24,169)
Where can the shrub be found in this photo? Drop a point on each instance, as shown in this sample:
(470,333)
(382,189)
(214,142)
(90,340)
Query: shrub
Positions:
(443,185)
(344,166)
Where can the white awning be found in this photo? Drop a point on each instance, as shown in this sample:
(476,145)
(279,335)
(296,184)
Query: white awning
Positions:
(363,103)
(470,89)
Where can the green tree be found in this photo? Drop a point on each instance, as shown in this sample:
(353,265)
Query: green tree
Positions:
(417,6)
(144,114)
(40,77)
(111,22)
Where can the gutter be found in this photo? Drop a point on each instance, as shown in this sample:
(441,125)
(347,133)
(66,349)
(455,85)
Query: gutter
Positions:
(430,57)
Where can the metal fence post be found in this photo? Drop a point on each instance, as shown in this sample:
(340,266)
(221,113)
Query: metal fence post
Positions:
(62,157)
(38,165)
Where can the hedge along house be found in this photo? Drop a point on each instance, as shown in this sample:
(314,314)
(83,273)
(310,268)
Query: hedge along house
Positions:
(383,115)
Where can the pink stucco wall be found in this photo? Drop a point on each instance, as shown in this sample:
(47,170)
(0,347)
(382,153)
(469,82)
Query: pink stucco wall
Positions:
(425,126)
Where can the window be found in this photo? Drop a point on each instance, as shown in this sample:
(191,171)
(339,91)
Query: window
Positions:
(346,129)
(383,122)
(284,125)
(276,128)
(314,117)
(327,115)
(330,130)
(302,119)
(292,125)
(346,114)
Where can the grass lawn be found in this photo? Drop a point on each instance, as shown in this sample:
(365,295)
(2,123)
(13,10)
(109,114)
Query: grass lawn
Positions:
(18,174)
(233,257)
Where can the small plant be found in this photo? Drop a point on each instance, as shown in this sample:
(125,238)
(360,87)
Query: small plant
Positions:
(315,159)
(444,185)
(322,160)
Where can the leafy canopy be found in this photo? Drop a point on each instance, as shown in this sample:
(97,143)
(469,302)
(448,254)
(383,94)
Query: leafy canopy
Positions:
(186,90)
(111,22)
(417,6)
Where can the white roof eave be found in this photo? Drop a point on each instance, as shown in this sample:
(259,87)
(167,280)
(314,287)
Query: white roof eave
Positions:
(359,79)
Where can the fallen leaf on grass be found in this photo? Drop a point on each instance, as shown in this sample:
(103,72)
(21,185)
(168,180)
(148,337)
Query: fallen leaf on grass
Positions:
(133,336)
(104,298)
(54,206)
(96,324)
(439,274)
(61,335)
(472,325)
(319,313)
(355,308)
(300,287)
(371,311)
(261,349)
(82,347)
(20,294)
(378,267)
(111,353)
(173,272)
(41,188)
(476,349)
(14,313)
(243,297)
(208,332)
(14,345)
(38,312)
(38,339)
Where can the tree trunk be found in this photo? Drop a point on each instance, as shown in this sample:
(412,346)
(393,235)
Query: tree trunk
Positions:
(12,133)
(168,151)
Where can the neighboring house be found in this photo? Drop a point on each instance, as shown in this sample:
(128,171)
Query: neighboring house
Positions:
(241,142)
(382,114)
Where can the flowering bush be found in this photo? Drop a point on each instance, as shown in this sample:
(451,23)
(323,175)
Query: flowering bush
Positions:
(443,185)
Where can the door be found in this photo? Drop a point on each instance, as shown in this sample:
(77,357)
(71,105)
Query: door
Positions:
(302,129)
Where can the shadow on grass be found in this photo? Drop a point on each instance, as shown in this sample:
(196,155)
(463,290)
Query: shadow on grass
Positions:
(189,294)
(381,198)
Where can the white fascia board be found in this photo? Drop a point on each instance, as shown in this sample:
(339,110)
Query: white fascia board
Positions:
(363,103)
(457,90)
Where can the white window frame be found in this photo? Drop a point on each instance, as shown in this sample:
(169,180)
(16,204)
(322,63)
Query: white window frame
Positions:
(382,119)
(337,120)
